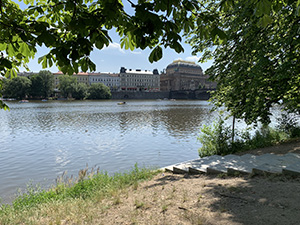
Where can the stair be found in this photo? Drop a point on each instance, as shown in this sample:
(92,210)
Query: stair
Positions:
(268,163)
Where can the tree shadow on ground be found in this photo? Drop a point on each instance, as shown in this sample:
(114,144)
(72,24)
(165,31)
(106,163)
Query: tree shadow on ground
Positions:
(256,200)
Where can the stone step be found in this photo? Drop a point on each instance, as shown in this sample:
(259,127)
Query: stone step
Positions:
(226,162)
(248,162)
(275,164)
(198,165)
(170,168)
(292,170)
(267,163)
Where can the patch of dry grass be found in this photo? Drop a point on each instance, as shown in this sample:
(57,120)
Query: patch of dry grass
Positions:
(178,199)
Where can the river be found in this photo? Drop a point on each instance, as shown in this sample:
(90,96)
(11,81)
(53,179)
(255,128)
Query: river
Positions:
(41,140)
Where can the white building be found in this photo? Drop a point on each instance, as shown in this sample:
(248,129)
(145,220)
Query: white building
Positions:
(138,80)
(111,80)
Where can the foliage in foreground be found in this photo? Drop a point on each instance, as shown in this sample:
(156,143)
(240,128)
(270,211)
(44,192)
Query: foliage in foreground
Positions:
(256,60)
(217,139)
(87,186)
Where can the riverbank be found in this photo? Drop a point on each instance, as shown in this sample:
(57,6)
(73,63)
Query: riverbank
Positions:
(180,199)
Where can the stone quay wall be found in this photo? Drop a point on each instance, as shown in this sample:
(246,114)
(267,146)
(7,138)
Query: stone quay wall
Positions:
(202,94)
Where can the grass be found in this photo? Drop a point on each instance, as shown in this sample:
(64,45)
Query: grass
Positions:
(71,197)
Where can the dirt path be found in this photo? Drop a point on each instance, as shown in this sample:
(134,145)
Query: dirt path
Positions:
(202,199)
(292,146)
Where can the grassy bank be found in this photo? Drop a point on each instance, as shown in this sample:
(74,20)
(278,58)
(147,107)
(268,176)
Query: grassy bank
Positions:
(73,199)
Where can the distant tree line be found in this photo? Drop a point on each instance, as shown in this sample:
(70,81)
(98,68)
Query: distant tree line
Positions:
(41,85)
(69,87)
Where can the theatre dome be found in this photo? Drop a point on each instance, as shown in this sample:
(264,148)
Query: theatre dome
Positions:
(184,67)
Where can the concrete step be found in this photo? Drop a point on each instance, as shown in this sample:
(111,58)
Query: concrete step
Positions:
(228,161)
(198,166)
(267,163)
(292,170)
(170,168)
(275,164)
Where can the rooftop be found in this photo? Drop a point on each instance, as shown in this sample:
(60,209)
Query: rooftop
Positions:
(183,63)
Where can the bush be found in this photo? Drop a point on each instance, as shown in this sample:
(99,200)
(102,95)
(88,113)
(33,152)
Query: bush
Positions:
(99,91)
(216,139)
(288,124)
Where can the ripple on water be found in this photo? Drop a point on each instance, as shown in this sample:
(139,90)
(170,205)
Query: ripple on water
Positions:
(42,140)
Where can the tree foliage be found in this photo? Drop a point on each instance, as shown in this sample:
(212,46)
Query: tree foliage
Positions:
(18,87)
(66,83)
(255,47)
(47,82)
(36,84)
(79,91)
(99,91)
(42,84)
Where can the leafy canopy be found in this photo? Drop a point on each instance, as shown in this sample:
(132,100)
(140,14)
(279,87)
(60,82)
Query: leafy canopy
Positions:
(255,47)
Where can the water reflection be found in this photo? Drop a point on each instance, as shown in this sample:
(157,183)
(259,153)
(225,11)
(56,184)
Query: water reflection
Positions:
(42,140)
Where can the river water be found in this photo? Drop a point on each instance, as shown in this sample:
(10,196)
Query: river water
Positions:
(41,140)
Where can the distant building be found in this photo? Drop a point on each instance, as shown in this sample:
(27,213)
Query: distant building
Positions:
(56,80)
(184,75)
(26,74)
(111,80)
(139,80)
(82,77)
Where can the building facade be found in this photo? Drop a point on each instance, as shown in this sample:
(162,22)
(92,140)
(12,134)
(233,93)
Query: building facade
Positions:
(184,75)
(138,80)
(111,80)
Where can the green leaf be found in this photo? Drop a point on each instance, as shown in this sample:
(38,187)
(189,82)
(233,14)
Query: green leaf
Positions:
(156,54)
(263,7)
(3,46)
(128,42)
(24,49)
(84,65)
(11,50)
(265,20)
(5,63)
(99,44)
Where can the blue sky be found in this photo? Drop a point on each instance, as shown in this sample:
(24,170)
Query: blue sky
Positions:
(112,58)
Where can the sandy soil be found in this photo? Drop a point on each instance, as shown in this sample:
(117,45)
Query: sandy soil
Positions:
(202,199)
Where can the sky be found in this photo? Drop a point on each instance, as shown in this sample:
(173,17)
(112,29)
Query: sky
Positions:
(113,57)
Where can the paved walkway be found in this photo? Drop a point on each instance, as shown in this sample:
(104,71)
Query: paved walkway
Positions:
(257,164)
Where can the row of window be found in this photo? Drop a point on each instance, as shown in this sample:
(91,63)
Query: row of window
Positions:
(138,75)
(139,85)
(140,80)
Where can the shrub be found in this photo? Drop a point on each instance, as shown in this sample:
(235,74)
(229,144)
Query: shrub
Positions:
(215,139)
(288,124)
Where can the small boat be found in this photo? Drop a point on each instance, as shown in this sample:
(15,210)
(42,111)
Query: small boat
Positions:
(44,100)
(23,101)
(121,103)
